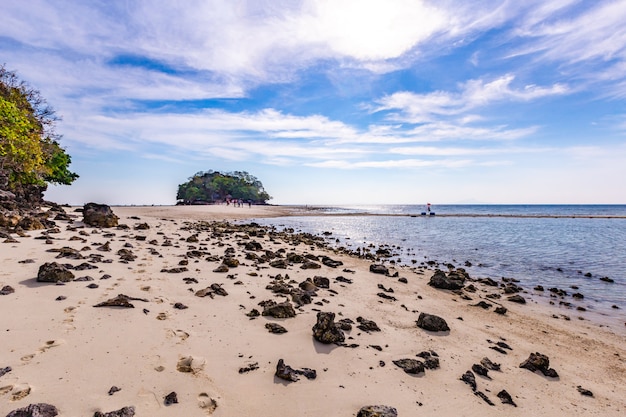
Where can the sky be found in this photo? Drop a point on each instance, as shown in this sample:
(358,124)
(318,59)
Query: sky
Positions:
(332,101)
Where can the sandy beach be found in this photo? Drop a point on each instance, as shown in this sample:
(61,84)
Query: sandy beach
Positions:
(193,330)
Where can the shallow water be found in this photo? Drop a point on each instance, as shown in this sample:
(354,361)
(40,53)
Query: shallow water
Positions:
(554,252)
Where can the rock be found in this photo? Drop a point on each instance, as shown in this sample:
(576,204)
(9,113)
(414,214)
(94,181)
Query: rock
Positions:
(483,304)
(517,299)
(287,373)
(280,311)
(486,362)
(367,325)
(122,412)
(231,262)
(6,290)
(252,367)
(275,328)
(99,215)
(584,392)
(180,306)
(431,360)
(539,362)
(35,410)
(330,262)
(113,390)
(379,269)
(308,264)
(432,323)
(469,378)
(321,282)
(441,281)
(5,370)
(326,330)
(481,370)
(505,397)
(54,272)
(171,398)
(482,395)
(410,366)
(377,411)
(500,310)
(120,301)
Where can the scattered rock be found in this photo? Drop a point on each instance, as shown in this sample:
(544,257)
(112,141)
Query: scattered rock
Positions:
(481,370)
(6,290)
(500,310)
(469,378)
(377,411)
(584,391)
(517,299)
(432,323)
(5,370)
(113,390)
(482,395)
(539,362)
(252,367)
(446,282)
(171,398)
(487,363)
(122,412)
(35,410)
(180,306)
(379,269)
(410,366)
(505,397)
(120,301)
(275,328)
(431,360)
(367,325)
(280,311)
(287,373)
(326,330)
(54,272)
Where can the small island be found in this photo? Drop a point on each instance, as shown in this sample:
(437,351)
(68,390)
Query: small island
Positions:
(213,187)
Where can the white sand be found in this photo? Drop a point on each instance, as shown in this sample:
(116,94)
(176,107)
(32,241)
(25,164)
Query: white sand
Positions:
(69,354)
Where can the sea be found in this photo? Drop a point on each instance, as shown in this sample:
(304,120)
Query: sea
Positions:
(570,247)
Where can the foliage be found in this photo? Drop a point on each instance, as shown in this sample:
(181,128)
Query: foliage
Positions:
(29,148)
(212,186)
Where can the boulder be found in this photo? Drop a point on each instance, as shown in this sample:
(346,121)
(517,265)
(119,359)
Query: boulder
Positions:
(539,362)
(379,269)
(410,366)
(35,410)
(326,330)
(54,272)
(287,373)
(377,411)
(280,311)
(99,215)
(432,323)
(122,412)
(453,281)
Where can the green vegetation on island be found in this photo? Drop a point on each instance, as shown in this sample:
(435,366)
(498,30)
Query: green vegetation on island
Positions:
(216,187)
(30,154)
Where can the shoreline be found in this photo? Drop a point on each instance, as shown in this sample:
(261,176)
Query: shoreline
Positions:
(66,346)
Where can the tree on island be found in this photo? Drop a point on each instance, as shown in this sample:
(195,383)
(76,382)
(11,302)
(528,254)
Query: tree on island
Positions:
(213,186)
(30,154)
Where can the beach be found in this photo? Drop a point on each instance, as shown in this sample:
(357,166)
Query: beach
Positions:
(194,286)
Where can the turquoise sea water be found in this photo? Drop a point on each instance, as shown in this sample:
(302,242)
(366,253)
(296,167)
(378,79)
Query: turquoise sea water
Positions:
(551,245)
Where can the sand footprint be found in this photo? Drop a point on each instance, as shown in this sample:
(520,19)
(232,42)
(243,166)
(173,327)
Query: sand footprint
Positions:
(50,344)
(20,391)
(180,334)
(6,389)
(207,403)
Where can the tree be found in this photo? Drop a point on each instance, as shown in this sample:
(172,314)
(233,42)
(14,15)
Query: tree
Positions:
(30,153)
(213,186)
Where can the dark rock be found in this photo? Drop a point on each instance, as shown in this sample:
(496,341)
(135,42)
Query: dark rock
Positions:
(171,398)
(584,391)
(326,330)
(539,362)
(308,264)
(481,370)
(410,366)
(279,263)
(607,279)
(386,297)
(231,262)
(431,359)
(35,410)
(330,262)
(252,367)
(379,269)
(500,310)
(469,378)
(54,272)
(253,313)
(99,215)
(487,363)
(377,411)
(450,282)
(505,397)
(180,306)
(93,286)
(287,373)
(177,270)
(5,370)
(432,323)
(482,395)
(367,325)
(113,390)
(275,328)
(6,290)
(120,301)
(345,324)
(321,282)
(308,285)
(122,412)
(517,299)
(280,311)
(483,304)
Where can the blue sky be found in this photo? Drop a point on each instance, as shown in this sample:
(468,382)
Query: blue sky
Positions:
(334,101)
